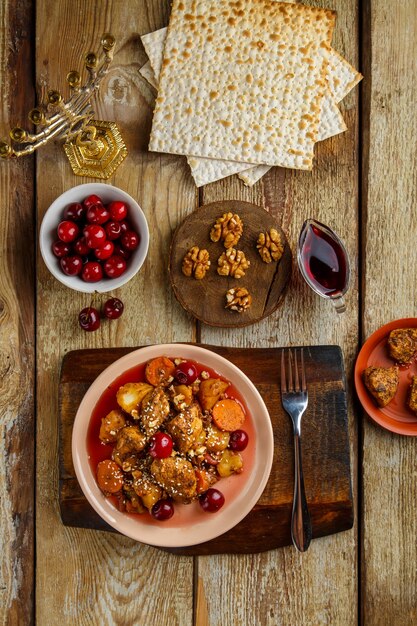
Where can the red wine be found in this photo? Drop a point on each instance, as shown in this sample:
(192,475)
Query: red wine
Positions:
(323,259)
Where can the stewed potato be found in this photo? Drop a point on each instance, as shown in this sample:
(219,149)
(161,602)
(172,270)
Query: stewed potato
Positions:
(211,390)
(130,396)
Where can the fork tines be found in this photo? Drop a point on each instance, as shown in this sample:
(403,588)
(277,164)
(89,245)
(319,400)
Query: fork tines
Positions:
(293,372)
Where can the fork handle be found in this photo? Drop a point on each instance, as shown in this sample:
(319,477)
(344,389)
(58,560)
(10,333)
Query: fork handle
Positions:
(300,523)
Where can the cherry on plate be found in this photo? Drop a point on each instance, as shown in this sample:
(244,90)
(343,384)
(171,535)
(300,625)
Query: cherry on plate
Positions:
(162,510)
(113,308)
(160,446)
(74,211)
(71,265)
(80,246)
(130,240)
(211,501)
(89,319)
(90,200)
(114,266)
(186,373)
(61,249)
(113,230)
(238,441)
(67,231)
(95,235)
(97,214)
(118,210)
(92,272)
(105,251)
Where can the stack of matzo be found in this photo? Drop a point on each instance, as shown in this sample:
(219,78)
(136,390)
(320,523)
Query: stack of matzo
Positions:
(244,85)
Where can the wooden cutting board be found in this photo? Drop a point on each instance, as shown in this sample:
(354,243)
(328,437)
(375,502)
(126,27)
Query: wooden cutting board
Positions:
(326,458)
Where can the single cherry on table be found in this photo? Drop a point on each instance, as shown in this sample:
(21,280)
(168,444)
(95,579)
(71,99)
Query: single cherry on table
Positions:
(113,308)
(89,319)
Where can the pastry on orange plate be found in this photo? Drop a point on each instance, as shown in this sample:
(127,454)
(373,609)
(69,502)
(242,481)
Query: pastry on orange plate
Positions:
(402,344)
(382,383)
(412,395)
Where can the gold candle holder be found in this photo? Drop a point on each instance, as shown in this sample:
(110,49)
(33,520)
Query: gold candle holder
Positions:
(94,148)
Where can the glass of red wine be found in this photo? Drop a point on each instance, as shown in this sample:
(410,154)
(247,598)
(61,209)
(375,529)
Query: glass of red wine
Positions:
(324,262)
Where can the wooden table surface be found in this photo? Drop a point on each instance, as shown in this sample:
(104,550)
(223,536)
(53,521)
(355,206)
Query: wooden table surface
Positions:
(363,185)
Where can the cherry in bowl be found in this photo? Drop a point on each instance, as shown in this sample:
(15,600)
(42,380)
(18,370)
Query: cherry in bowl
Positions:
(160,446)
(239,440)
(186,373)
(162,510)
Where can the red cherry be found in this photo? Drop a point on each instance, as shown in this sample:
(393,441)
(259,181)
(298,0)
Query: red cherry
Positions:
(118,210)
(68,231)
(60,249)
(71,265)
(212,500)
(239,439)
(74,211)
(186,373)
(125,226)
(97,214)
(80,247)
(89,319)
(95,235)
(90,200)
(113,230)
(113,308)
(130,240)
(92,272)
(162,510)
(105,251)
(160,446)
(114,266)
(119,251)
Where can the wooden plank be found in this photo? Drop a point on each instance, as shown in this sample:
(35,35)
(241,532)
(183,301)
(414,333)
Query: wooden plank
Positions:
(16,323)
(389,547)
(267,526)
(282,586)
(106,579)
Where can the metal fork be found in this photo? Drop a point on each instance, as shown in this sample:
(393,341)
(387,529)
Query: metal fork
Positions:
(295,400)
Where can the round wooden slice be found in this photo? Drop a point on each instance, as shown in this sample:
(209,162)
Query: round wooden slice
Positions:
(206,298)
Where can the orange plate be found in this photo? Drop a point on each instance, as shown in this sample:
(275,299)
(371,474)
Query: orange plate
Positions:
(396,416)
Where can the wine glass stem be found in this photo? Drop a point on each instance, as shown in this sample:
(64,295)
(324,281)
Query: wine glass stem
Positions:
(339,304)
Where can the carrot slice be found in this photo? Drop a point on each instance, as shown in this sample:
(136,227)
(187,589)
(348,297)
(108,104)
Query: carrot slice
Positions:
(228,415)
(204,480)
(159,371)
(109,476)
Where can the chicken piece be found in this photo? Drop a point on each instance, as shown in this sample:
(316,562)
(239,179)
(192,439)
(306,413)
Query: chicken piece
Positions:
(146,488)
(382,383)
(130,396)
(412,395)
(402,344)
(131,501)
(185,428)
(176,476)
(155,410)
(130,441)
(111,425)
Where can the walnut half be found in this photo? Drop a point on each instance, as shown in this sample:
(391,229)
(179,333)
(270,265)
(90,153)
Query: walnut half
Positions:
(228,228)
(196,263)
(232,263)
(270,246)
(238,299)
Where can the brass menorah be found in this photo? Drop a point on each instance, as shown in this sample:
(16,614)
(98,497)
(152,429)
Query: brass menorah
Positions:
(94,148)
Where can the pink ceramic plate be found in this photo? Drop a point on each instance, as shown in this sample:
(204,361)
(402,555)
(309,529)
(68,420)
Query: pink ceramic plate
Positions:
(190,525)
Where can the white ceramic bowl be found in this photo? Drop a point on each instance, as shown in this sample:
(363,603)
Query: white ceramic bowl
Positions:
(190,525)
(54,215)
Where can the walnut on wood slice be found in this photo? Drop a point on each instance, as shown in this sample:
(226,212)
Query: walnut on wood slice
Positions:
(270,246)
(232,263)
(196,263)
(238,299)
(227,228)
